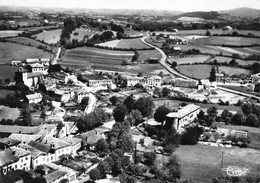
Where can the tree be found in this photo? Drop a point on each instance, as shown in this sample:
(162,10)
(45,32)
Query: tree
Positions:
(145,106)
(137,117)
(160,114)
(212,112)
(119,113)
(126,142)
(95,174)
(149,158)
(104,168)
(7,80)
(233,62)
(12,101)
(201,115)
(174,64)
(252,120)
(84,101)
(191,135)
(129,102)
(247,108)
(136,56)
(125,178)
(102,146)
(208,33)
(172,169)
(114,100)
(226,116)
(165,92)
(212,76)
(255,68)
(238,119)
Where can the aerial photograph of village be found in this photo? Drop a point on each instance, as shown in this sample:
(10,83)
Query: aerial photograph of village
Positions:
(129,91)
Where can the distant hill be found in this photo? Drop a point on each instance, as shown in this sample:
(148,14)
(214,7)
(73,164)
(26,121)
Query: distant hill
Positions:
(244,12)
(201,14)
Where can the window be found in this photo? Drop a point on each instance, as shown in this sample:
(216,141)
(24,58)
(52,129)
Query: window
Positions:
(36,161)
(21,159)
(15,166)
(26,158)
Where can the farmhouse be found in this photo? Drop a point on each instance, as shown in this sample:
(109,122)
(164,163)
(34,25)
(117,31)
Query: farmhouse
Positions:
(182,117)
(31,79)
(34,98)
(95,80)
(38,68)
(150,81)
(16,62)
(44,61)
(226,28)
(255,78)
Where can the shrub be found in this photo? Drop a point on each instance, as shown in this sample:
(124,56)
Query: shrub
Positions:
(95,174)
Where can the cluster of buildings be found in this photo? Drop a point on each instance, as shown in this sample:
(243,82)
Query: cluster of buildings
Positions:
(149,82)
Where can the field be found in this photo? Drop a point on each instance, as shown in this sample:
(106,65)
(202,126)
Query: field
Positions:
(202,163)
(7,71)
(37,28)
(189,59)
(112,43)
(9,51)
(28,41)
(202,71)
(239,88)
(215,31)
(132,43)
(147,54)
(146,69)
(133,33)
(82,33)
(9,33)
(9,113)
(225,40)
(227,59)
(93,56)
(52,36)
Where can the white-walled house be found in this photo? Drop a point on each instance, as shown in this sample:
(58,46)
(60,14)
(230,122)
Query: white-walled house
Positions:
(183,117)
(74,142)
(34,98)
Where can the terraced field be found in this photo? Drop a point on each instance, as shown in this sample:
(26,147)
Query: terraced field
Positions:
(225,40)
(190,59)
(9,51)
(132,43)
(29,42)
(50,37)
(95,56)
(9,33)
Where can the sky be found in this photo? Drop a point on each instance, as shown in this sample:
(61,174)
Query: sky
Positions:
(179,5)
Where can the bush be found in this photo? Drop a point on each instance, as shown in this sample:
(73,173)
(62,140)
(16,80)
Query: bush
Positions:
(149,158)
(95,174)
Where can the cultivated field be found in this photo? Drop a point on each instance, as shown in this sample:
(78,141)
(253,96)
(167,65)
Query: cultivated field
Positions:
(190,59)
(132,43)
(202,163)
(9,113)
(52,36)
(85,55)
(37,28)
(9,51)
(146,69)
(111,44)
(227,60)
(225,40)
(9,33)
(7,71)
(202,71)
(29,42)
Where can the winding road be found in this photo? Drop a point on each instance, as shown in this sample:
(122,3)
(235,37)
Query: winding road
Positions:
(163,59)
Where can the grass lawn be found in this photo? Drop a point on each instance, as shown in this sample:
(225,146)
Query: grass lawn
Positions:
(202,71)
(52,36)
(9,33)
(29,42)
(9,113)
(225,40)
(190,59)
(82,33)
(202,163)
(240,88)
(9,51)
(132,43)
(7,71)
(147,54)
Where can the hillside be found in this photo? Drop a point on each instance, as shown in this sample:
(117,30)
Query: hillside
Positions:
(201,14)
(244,12)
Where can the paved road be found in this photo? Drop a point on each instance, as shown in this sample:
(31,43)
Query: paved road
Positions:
(163,59)
(91,104)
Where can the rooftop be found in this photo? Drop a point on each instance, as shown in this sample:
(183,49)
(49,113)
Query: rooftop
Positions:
(19,151)
(24,137)
(93,77)
(34,152)
(9,141)
(40,146)
(34,74)
(18,129)
(34,96)
(184,111)
(71,140)
(51,177)
(57,143)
